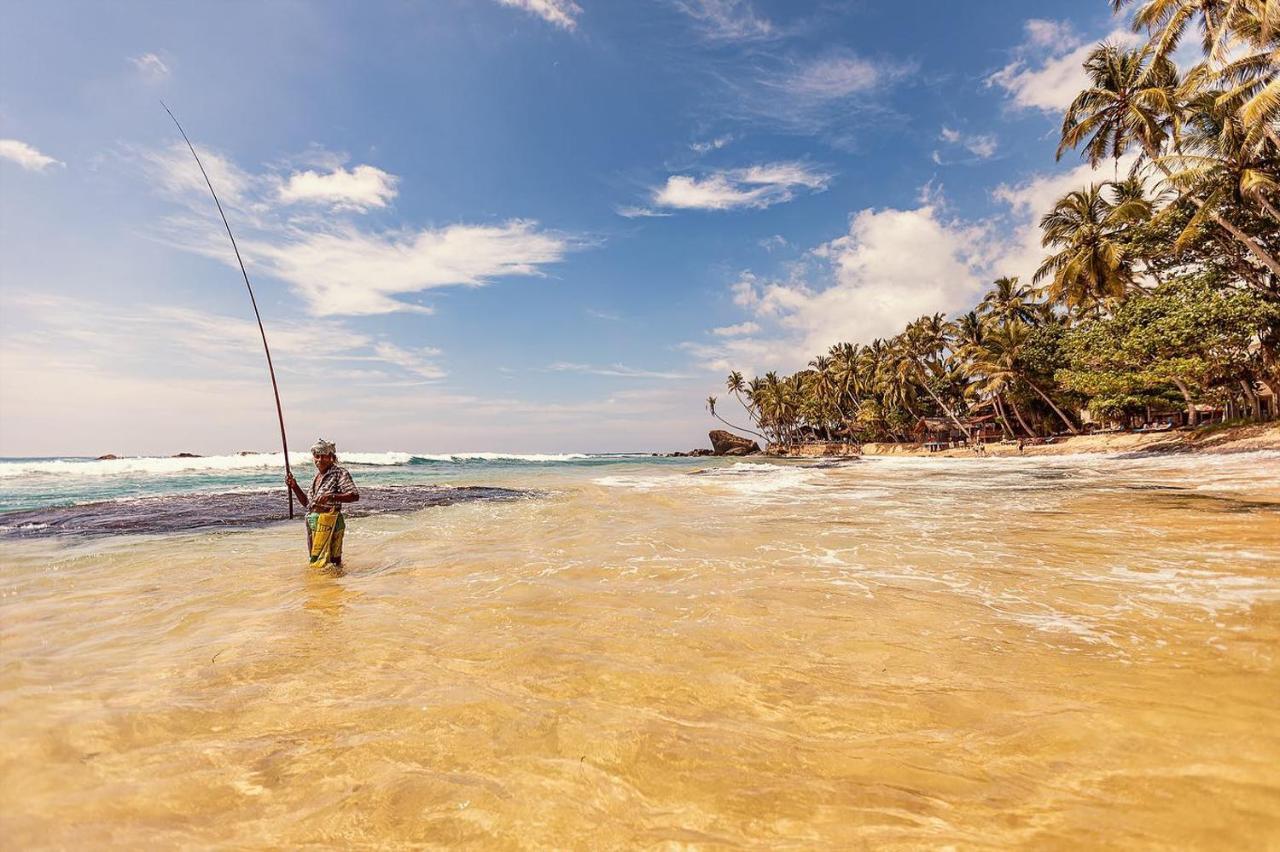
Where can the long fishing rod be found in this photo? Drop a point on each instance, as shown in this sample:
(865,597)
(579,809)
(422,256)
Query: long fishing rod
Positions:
(284,441)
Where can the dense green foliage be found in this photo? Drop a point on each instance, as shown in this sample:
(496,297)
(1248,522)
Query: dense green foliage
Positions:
(1159,288)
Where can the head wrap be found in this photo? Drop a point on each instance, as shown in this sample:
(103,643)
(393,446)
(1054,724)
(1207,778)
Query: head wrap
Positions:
(324,448)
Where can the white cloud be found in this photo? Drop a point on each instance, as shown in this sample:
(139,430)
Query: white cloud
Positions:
(981,145)
(26,156)
(334,265)
(710,145)
(151,66)
(1047,71)
(562,13)
(1046,33)
(358,189)
(757,187)
(739,330)
(728,20)
(349,271)
(634,212)
(890,268)
(774,243)
(613,370)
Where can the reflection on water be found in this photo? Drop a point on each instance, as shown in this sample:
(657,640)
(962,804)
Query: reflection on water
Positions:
(900,652)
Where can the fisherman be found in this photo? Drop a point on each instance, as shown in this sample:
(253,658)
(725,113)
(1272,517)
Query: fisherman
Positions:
(331,487)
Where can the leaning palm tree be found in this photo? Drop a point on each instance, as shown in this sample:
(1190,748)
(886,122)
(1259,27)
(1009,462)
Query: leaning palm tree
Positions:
(737,386)
(923,344)
(711,406)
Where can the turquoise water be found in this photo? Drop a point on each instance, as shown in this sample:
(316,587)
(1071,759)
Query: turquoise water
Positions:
(33,483)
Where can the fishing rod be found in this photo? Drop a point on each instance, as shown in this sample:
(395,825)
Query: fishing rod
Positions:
(284,440)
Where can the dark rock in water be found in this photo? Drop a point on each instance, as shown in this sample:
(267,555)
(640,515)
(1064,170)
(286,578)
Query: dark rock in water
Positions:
(186,456)
(739,451)
(701,452)
(109,457)
(237,510)
(722,442)
(248,453)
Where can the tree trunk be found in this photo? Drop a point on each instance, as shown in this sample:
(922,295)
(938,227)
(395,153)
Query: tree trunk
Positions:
(1251,400)
(1256,250)
(1191,408)
(951,414)
(1273,386)
(1004,419)
(1056,410)
(1017,412)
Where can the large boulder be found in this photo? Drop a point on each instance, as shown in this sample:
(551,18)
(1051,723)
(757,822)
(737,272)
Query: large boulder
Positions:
(723,443)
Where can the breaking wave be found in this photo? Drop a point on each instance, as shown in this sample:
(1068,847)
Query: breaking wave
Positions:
(256,461)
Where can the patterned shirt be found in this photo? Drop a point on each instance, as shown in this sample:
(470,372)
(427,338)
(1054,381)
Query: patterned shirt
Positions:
(333,481)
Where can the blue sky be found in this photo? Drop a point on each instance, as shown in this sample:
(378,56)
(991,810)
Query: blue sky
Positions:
(521,225)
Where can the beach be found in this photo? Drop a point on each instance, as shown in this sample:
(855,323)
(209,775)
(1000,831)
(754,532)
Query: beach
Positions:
(893,652)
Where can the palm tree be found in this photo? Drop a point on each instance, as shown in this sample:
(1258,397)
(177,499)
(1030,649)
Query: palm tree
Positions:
(1133,99)
(922,346)
(711,406)
(1093,264)
(1009,301)
(737,386)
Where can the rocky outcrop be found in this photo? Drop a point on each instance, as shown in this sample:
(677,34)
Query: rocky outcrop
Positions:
(186,456)
(728,444)
(109,457)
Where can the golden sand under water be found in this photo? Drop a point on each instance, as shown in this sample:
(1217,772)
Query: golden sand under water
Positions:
(897,653)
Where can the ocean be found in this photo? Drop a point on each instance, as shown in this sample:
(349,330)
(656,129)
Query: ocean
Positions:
(613,651)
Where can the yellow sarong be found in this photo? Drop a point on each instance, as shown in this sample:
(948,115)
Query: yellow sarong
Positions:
(327,529)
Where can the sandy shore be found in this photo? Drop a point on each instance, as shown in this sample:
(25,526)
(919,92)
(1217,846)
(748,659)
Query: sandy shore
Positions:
(1234,439)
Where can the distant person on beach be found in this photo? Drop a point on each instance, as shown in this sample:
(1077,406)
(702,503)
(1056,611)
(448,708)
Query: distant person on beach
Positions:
(331,487)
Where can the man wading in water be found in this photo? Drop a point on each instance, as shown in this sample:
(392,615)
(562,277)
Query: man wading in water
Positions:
(331,488)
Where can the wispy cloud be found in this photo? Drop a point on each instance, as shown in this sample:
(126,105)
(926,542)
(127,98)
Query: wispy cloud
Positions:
(150,66)
(561,13)
(359,189)
(757,187)
(352,272)
(614,370)
(835,95)
(728,20)
(26,155)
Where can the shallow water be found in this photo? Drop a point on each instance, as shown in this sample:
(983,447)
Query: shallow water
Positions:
(892,653)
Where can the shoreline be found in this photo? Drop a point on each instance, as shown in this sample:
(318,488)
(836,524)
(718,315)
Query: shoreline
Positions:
(1211,440)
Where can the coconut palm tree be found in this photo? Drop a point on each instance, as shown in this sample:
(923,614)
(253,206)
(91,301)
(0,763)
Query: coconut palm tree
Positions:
(1009,301)
(1133,99)
(1093,264)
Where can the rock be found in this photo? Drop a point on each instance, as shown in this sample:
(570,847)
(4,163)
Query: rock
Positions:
(700,452)
(737,451)
(248,453)
(185,456)
(724,441)
(109,457)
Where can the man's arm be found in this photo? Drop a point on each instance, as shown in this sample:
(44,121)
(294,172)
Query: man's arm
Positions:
(296,489)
